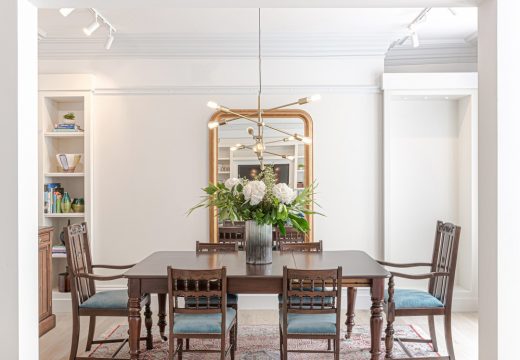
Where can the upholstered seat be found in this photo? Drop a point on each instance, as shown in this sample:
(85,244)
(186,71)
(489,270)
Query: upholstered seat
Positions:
(407,298)
(114,299)
(311,324)
(202,323)
(232,299)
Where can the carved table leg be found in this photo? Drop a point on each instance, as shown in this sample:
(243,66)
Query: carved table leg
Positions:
(376,319)
(134,317)
(162,315)
(148,323)
(351,305)
(390,317)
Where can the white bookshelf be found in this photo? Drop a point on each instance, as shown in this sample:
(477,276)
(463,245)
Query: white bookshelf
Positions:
(58,95)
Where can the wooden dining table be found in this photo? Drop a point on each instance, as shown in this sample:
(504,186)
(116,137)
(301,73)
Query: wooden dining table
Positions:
(149,277)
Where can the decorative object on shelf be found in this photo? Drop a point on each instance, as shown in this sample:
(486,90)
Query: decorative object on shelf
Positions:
(69,118)
(261,203)
(78,205)
(66,203)
(64,281)
(68,162)
(301,166)
(259,146)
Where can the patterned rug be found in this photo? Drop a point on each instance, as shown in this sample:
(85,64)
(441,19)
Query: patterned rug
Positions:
(261,342)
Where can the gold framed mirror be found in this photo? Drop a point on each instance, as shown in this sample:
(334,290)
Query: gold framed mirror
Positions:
(226,161)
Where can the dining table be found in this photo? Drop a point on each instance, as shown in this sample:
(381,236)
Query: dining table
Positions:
(149,276)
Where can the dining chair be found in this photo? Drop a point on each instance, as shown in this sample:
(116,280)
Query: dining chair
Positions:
(436,301)
(291,236)
(306,313)
(86,301)
(232,234)
(205,319)
(302,247)
(232,299)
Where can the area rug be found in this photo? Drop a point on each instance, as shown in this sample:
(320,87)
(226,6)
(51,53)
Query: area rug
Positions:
(261,342)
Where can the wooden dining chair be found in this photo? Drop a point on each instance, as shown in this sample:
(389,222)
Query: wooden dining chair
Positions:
(232,299)
(291,236)
(204,319)
(232,234)
(86,301)
(302,247)
(306,313)
(436,301)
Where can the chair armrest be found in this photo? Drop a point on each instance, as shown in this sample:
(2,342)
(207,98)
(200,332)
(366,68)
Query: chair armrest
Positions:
(419,276)
(100,277)
(386,263)
(112,266)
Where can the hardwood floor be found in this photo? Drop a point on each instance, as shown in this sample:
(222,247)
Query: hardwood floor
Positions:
(55,344)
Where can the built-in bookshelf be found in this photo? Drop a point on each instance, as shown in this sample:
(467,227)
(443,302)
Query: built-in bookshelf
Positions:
(60,95)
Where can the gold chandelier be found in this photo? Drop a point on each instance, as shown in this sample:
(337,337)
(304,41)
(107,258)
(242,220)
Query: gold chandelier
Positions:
(259,146)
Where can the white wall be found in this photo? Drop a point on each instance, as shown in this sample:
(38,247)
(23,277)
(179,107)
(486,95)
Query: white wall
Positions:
(151,152)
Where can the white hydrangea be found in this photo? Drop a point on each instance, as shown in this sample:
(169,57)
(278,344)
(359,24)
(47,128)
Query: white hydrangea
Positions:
(284,193)
(231,183)
(254,192)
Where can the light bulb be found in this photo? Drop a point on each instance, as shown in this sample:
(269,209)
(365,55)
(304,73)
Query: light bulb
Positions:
(290,138)
(213,124)
(233,148)
(91,28)
(213,105)
(251,131)
(415,39)
(289,157)
(314,97)
(109,41)
(66,11)
(306,140)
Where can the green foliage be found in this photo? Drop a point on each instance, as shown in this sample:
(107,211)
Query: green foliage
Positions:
(69,116)
(232,205)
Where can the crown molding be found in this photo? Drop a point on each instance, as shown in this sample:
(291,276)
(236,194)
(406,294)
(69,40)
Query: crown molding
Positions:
(439,51)
(216,46)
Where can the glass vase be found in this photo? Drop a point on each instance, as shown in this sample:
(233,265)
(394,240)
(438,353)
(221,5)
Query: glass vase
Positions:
(259,243)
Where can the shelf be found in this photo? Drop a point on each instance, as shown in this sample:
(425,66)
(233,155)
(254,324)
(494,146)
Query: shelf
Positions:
(224,172)
(59,256)
(301,170)
(64,215)
(56,134)
(223,159)
(59,174)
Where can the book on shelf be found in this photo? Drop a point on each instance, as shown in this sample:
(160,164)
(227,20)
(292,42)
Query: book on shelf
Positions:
(58,249)
(52,194)
(66,128)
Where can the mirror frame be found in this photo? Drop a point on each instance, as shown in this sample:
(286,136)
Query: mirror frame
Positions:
(274,114)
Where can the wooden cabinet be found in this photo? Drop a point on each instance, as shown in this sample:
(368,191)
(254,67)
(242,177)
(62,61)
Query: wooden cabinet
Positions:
(47,318)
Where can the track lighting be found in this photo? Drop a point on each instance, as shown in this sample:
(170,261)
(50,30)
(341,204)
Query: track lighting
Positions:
(110,40)
(66,11)
(89,30)
(415,39)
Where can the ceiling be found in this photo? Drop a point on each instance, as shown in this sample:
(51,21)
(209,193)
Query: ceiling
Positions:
(233,32)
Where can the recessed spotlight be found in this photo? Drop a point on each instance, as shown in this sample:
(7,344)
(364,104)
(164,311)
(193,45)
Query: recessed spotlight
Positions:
(91,28)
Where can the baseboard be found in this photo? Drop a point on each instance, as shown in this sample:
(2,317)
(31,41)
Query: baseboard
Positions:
(463,301)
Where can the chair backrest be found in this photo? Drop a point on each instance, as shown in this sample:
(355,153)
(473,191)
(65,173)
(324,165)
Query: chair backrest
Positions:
(216,247)
(302,247)
(197,286)
(291,236)
(444,259)
(80,262)
(312,291)
(232,234)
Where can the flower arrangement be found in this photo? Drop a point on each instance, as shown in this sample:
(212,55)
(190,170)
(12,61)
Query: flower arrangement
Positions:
(261,200)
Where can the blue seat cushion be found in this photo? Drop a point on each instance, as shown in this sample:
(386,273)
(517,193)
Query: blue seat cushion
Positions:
(408,299)
(113,299)
(295,300)
(232,299)
(202,323)
(322,324)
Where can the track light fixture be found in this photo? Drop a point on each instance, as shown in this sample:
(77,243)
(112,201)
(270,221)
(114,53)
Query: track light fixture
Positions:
(89,30)
(110,40)
(66,11)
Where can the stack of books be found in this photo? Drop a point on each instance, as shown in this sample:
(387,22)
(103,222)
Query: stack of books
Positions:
(59,250)
(52,195)
(61,127)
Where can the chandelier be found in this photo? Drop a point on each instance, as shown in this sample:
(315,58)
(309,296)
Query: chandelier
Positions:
(259,146)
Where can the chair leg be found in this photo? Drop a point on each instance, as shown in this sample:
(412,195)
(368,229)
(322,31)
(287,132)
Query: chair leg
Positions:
(433,335)
(179,345)
(281,342)
(389,339)
(232,340)
(236,332)
(148,322)
(285,348)
(329,344)
(351,305)
(91,329)
(171,347)
(447,333)
(75,337)
(223,347)
(336,348)
(187,344)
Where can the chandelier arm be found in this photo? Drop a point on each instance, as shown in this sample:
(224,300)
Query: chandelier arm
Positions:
(239,115)
(276,141)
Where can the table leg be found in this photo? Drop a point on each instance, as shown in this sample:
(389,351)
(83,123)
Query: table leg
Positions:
(162,315)
(351,305)
(134,317)
(376,319)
